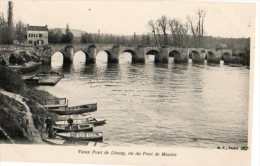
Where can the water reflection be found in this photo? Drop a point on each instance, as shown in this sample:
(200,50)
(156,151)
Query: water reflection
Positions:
(89,69)
(67,68)
(112,71)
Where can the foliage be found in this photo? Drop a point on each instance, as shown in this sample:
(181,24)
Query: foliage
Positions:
(39,113)
(3,30)
(68,36)
(7,30)
(115,39)
(180,32)
(11,81)
(20,31)
(197,28)
(55,36)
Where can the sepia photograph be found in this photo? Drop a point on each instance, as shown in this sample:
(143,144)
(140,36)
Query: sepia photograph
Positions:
(118,80)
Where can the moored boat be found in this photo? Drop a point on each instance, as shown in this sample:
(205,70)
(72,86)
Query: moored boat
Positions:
(74,117)
(54,141)
(41,78)
(81,136)
(86,120)
(80,109)
(74,128)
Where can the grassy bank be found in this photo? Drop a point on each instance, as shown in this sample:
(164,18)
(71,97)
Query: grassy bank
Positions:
(13,115)
(13,120)
(39,113)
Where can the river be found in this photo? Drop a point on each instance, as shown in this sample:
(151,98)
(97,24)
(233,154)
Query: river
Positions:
(178,105)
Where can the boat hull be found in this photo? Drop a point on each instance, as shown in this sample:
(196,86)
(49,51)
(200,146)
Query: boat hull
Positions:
(82,136)
(87,120)
(53,141)
(75,128)
(75,110)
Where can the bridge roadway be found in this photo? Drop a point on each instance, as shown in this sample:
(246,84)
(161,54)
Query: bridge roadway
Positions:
(138,52)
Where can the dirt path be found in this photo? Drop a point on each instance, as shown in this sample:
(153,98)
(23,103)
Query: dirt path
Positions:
(35,133)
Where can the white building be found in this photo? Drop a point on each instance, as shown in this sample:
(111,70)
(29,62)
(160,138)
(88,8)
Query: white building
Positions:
(37,35)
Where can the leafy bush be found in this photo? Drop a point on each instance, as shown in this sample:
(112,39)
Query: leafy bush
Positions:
(11,81)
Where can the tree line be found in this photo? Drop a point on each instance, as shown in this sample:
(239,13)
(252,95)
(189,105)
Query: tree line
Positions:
(115,39)
(57,36)
(175,32)
(162,31)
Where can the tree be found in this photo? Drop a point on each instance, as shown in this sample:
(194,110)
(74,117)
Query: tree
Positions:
(179,32)
(197,28)
(11,81)
(158,32)
(163,24)
(152,26)
(20,31)
(83,38)
(3,30)
(68,36)
(55,36)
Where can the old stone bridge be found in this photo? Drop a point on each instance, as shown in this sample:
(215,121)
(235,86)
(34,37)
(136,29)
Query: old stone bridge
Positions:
(138,52)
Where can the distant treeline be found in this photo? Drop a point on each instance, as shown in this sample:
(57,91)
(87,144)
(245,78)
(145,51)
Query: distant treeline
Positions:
(56,36)
(208,41)
(115,39)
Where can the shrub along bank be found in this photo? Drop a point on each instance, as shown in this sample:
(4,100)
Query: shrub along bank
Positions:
(13,114)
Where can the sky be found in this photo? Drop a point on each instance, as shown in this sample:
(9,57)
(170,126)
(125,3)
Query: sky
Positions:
(126,17)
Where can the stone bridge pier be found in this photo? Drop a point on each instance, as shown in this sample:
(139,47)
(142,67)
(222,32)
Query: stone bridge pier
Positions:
(91,53)
(139,55)
(68,54)
(163,56)
(113,56)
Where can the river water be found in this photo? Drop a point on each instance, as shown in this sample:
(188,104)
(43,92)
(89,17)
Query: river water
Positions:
(179,105)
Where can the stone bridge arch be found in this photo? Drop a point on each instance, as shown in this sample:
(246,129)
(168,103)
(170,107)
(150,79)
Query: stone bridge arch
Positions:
(84,52)
(212,57)
(177,55)
(130,51)
(174,53)
(54,53)
(93,50)
(226,57)
(181,55)
(197,55)
(154,52)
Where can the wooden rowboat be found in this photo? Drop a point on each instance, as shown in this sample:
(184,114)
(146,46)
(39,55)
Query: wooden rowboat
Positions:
(75,109)
(86,120)
(81,136)
(74,117)
(74,128)
(54,141)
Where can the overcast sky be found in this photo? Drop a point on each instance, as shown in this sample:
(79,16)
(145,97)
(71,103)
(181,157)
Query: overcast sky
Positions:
(127,17)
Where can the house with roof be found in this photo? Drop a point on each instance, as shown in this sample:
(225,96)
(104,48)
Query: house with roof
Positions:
(37,35)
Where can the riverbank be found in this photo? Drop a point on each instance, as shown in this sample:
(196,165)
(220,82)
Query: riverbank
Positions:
(22,117)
